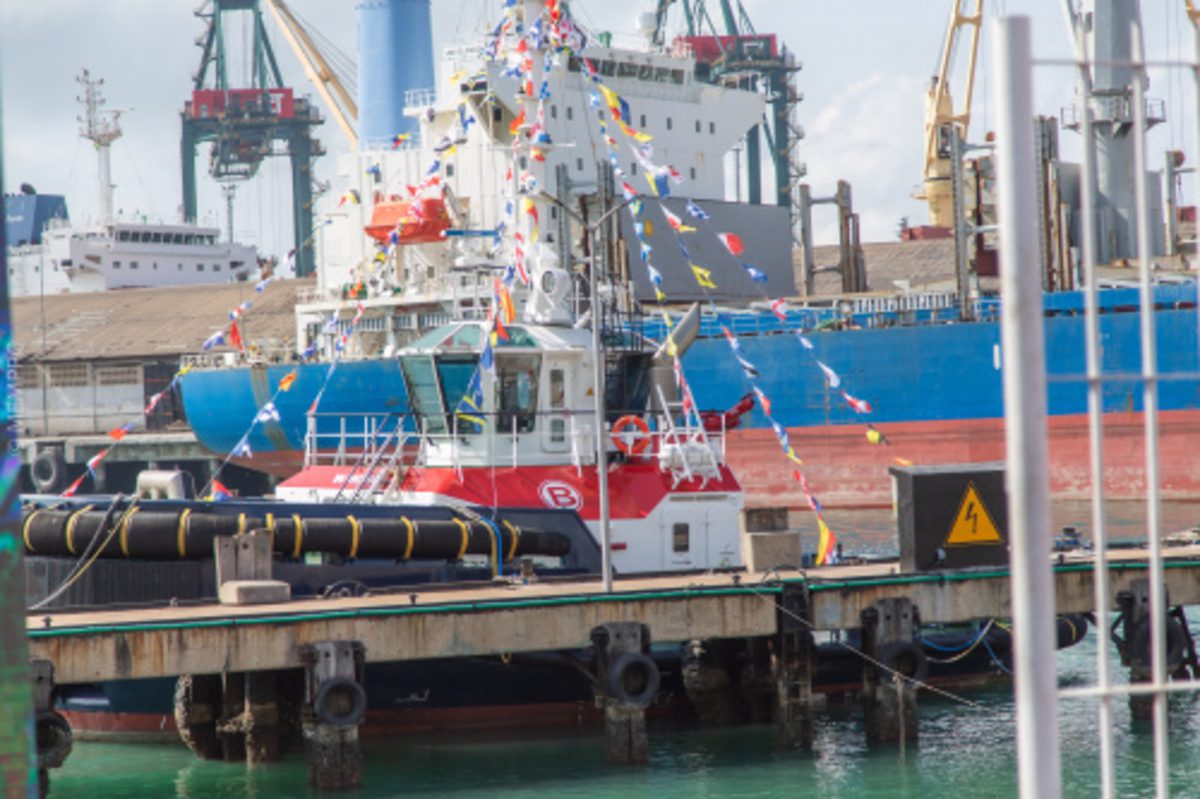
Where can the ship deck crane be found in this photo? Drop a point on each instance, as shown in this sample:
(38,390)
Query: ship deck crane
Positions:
(743,54)
(243,124)
(937,191)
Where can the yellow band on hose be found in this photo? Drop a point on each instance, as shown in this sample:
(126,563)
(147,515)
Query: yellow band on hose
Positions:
(411,535)
(271,529)
(355,529)
(181,533)
(466,531)
(241,523)
(25,530)
(125,530)
(70,534)
(299,536)
(516,536)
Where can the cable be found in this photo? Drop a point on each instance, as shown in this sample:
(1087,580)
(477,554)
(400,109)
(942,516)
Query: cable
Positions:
(80,570)
(971,647)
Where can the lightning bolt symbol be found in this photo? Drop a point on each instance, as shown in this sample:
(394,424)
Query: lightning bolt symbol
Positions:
(972,518)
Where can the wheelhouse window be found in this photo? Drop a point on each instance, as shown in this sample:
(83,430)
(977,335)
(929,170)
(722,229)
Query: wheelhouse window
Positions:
(421,381)
(463,405)
(517,387)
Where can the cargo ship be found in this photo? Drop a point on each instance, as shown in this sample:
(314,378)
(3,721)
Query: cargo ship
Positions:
(925,359)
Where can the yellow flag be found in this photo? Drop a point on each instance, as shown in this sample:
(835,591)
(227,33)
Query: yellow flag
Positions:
(642,136)
(703,277)
(610,96)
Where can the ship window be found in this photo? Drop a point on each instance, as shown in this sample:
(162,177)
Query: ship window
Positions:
(421,382)
(677,77)
(608,68)
(180,267)
(199,267)
(554,112)
(574,64)
(558,430)
(662,75)
(216,267)
(455,373)
(692,172)
(156,265)
(516,380)
(66,262)
(570,113)
(680,537)
(645,72)
(449,170)
(579,164)
(190,238)
(697,126)
(643,120)
(123,235)
(627,70)
(156,238)
(116,264)
(133,264)
(712,128)
(670,123)
(633,169)
(558,389)
(177,238)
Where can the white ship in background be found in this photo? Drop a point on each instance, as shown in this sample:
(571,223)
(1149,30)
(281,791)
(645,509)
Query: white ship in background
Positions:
(48,254)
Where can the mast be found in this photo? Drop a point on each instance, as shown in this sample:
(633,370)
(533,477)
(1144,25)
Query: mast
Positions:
(101,128)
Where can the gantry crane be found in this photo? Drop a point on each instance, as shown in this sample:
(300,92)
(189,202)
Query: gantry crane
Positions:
(244,123)
(939,112)
(743,56)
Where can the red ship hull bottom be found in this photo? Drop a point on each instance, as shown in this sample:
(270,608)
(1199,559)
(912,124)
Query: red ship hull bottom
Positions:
(845,470)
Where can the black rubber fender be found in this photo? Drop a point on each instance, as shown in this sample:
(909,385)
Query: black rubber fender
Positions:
(1070,629)
(340,702)
(1139,644)
(54,739)
(905,657)
(48,472)
(633,679)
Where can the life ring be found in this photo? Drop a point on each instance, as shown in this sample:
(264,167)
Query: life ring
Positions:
(48,471)
(633,679)
(340,702)
(626,440)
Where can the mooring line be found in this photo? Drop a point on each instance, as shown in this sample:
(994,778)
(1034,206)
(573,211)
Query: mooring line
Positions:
(896,674)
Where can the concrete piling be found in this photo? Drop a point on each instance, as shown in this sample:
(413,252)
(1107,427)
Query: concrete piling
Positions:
(197,708)
(889,695)
(52,734)
(335,704)
(794,667)
(627,682)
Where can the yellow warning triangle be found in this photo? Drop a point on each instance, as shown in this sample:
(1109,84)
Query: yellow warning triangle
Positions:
(973,524)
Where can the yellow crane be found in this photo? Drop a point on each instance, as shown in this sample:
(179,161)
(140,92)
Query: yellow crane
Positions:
(320,74)
(939,111)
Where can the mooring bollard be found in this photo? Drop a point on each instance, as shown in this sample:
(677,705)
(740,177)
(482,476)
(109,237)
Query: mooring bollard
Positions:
(896,660)
(335,704)
(627,682)
(52,733)
(794,665)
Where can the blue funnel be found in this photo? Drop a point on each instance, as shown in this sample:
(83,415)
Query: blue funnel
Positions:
(395,56)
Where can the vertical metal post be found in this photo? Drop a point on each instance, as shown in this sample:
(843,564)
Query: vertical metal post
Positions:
(962,264)
(16,695)
(1095,383)
(806,242)
(598,363)
(1158,599)
(1025,410)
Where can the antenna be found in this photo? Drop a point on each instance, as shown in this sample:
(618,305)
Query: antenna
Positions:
(101,127)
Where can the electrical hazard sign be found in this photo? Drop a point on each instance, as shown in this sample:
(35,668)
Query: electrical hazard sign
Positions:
(973,524)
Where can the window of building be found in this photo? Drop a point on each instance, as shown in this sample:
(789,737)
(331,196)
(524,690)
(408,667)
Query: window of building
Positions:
(67,375)
(118,375)
(28,377)
(681,537)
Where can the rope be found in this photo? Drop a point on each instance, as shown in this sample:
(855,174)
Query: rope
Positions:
(874,662)
(92,552)
(971,647)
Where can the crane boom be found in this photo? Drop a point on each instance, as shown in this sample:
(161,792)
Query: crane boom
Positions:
(318,71)
(939,111)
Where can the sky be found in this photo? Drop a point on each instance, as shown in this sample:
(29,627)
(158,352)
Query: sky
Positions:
(865,68)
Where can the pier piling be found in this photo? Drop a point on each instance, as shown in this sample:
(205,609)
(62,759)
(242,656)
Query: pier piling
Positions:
(627,682)
(335,704)
(794,665)
(52,733)
(197,707)
(895,660)
(1136,624)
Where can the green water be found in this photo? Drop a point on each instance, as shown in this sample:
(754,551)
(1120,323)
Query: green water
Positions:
(963,752)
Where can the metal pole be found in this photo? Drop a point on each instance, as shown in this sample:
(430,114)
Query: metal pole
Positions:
(598,363)
(1158,598)
(1025,410)
(1087,224)
(16,697)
